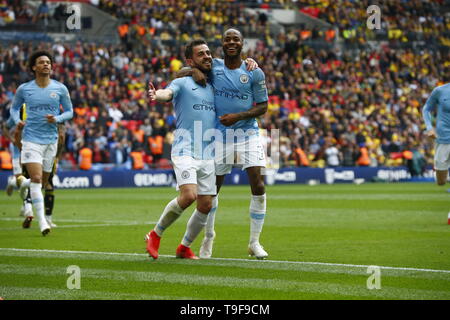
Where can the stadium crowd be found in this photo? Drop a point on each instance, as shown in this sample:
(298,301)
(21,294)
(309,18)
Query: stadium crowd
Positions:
(401,21)
(333,107)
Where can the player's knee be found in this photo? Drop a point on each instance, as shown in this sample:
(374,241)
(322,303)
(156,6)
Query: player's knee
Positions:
(259,188)
(36,178)
(204,207)
(188,198)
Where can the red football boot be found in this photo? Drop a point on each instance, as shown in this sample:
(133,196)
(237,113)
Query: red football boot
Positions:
(152,240)
(184,252)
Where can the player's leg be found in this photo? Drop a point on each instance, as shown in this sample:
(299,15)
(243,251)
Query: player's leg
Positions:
(27,208)
(35,171)
(175,207)
(252,156)
(206,189)
(257,211)
(223,164)
(210,234)
(38,160)
(442,163)
(171,213)
(195,225)
(441,177)
(187,181)
(49,197)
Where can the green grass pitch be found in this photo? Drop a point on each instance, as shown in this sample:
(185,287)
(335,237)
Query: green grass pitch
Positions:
(320,240)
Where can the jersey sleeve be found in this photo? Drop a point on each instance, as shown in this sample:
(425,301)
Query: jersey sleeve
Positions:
(259,86)
(176,86)
(66,104)
(17,103)
(429,107)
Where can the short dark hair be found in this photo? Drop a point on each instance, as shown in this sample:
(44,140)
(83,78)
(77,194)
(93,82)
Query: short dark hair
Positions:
(37,54)
(189,51)
(233,29)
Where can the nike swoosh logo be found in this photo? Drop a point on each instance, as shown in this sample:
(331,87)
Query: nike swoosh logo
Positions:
(194,89)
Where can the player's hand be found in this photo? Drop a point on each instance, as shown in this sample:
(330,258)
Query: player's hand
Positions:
(199,77)
(251,64)
(431,134)
(20,125)
(229,119)
(51,118)
(151,91)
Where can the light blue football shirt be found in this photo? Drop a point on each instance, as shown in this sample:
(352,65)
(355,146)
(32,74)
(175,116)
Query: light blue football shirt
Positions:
(40,102)
(439,101)
(195,119)
(236,90)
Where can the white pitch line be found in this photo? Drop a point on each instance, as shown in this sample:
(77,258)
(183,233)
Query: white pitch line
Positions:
(85,220)
(234,259)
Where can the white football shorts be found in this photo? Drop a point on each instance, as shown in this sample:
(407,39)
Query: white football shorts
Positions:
(442,157)
(39,153)
(245,154)
(192,171)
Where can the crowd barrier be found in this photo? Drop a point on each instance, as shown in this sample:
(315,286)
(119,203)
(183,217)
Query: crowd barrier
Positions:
(165,178)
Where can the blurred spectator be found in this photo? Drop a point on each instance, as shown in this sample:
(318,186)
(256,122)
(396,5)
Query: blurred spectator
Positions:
(85,158)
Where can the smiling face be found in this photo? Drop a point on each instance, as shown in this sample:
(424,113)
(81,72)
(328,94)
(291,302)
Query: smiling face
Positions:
(201,58)
(43,65)
(232,43)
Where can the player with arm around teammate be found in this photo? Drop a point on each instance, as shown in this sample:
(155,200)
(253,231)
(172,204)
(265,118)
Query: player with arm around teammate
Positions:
(240,97)
(193,165)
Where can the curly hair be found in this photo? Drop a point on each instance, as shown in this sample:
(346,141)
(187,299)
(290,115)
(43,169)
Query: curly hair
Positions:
(37,54)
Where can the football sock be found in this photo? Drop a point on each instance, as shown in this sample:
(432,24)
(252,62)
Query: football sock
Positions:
(195,225)
(26,183)
(171,213)
(37,199)
(209,229)
(49,200)
(257,215)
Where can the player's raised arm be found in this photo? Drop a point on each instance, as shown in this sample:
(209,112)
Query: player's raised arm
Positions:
(161,95)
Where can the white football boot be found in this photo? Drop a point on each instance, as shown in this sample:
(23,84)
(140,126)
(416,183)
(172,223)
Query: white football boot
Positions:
(10,186)
(257,251)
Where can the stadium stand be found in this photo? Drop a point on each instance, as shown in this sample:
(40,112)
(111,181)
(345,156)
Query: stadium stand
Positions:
(340,95)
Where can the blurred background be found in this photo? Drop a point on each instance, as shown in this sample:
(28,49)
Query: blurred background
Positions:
(341,95)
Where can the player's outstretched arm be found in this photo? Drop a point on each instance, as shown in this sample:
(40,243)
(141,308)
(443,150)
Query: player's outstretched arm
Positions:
(231,118)
(161,95)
